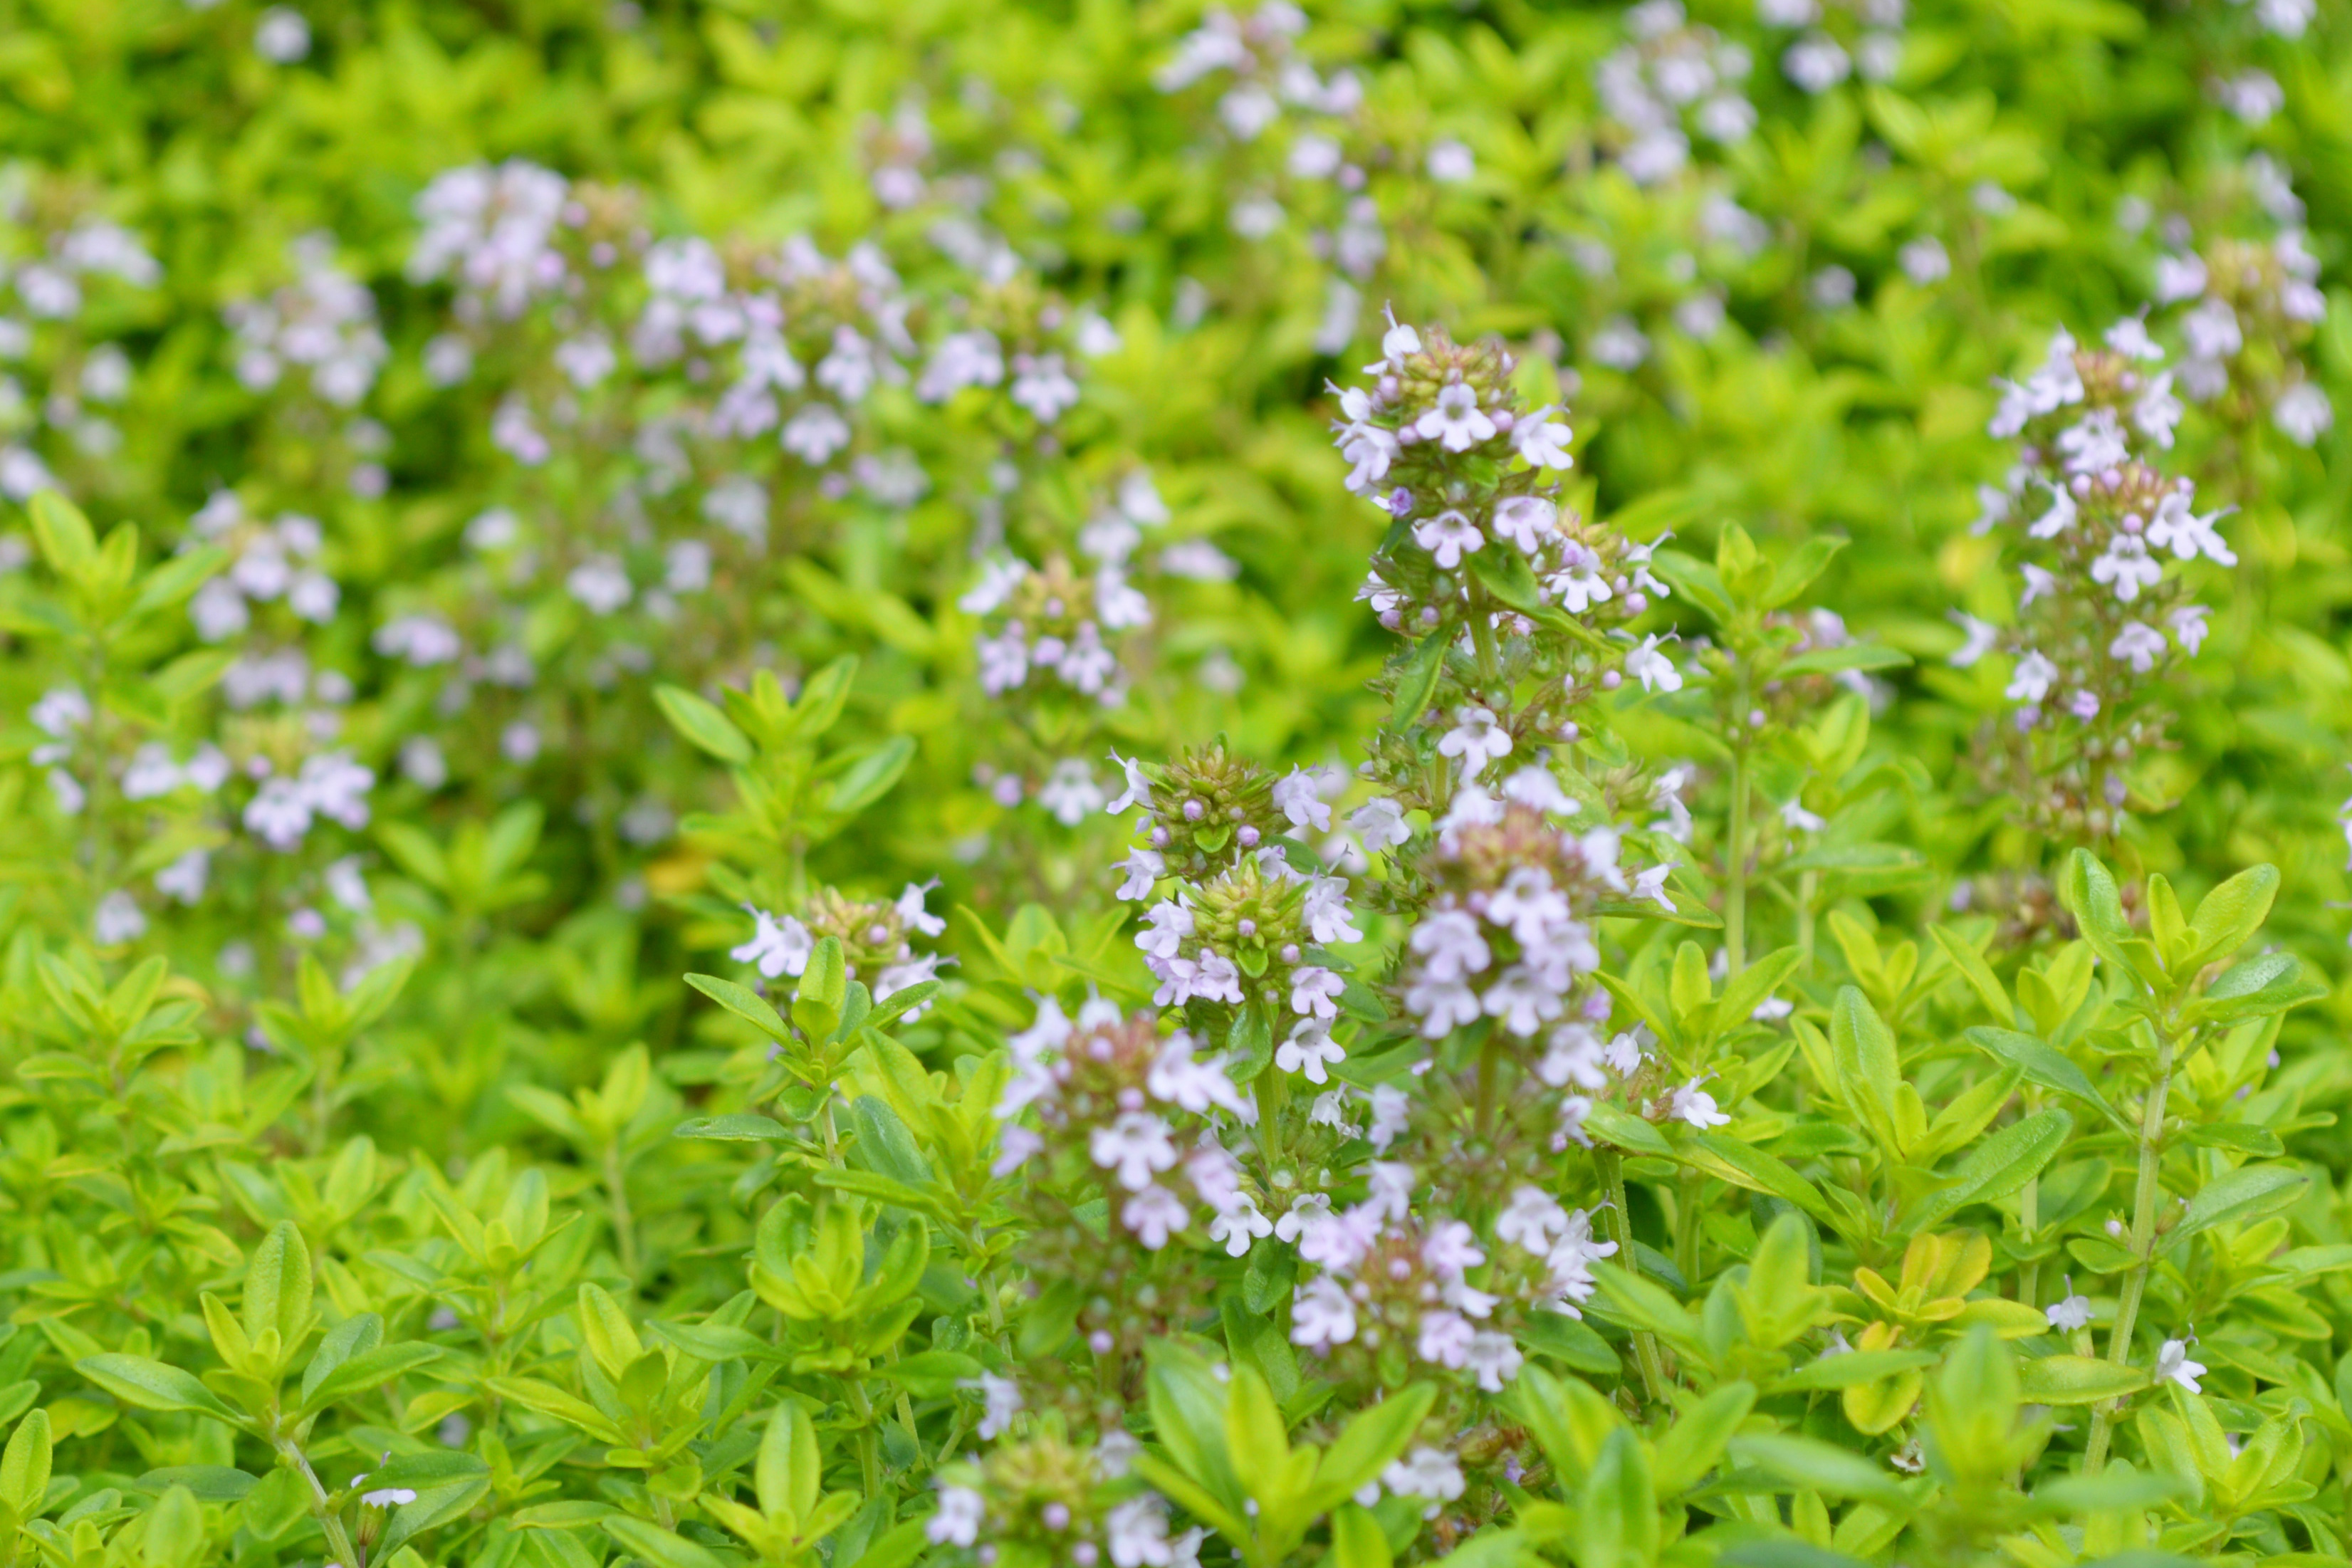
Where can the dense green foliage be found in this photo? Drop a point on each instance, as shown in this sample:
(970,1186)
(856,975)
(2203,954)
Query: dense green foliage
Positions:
(712,850)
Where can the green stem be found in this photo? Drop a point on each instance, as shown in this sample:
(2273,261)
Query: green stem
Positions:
(1489,1059)
(869,1452)
(1686,1221)
(1482,637)
(1735,897)
(624,1224)
(339,1549)
(1621,1227)
(2143,1248)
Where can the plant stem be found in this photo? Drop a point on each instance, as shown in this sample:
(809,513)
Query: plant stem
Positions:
(624,1224)
(339,1549)
(1735,896)
(1621,1225)
(2143,1247)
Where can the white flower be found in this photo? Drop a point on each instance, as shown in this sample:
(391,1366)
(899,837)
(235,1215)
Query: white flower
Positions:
(2126,567)
(956,1520)
(2173,1366)
(2138,645)
(1978,640)
(1380,824)
(2033,679)
(1137,1534)
(1495,1359)
(1456,423)
(2059,519)
(814,434)
(997,581)
(1652,668)
(1042,388)
(1321,1315)
(184,879)
(1426,1472)
(1396,344)
(1527,522)
(1069,793)
(2179,278)
(283,37)
(1295,797)
(1532,1220)
(1541,442)
(1003,660)
(1237,1224)
(1451,162)
(2073,1313)
(1310,1051)
(778,946)
(1695,1106)
(1314,991)
(1153,1214)
(1143,869)
(599,584)
(2189,627)
(1137,792)
(118,919)
(2303,413)
(1134,1146)
(2212,331)
(1477,739)
(1450,946)
(388,1497)
(1444,1339)
(1652,884)
(1325,912)
(1447,537)
(2130,338)
(2177,527)
(1797,819)
(1370,449)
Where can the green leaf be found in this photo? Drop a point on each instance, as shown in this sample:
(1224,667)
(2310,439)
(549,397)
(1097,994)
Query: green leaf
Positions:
(1417,677)
(1694,1445)
(207,1483)
(869,778)
(1869,1071)
(2236,1197)
(1617,1512)
(1852,1367)
(1998,1166)
(372,1368)
(745,1004)
(2044,1065)
(658,1547)
(2076,1380)
(278,1285)
(1978,974)
(64,536)
(703,724)
(1805,563)
(24,1467)
(1369,1445)
(1845,656)
(152,1385)
(1822,1466)
(1626,1131)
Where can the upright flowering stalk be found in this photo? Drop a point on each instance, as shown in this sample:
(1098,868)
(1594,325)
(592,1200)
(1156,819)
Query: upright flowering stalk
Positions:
(2108,610)
(876,936)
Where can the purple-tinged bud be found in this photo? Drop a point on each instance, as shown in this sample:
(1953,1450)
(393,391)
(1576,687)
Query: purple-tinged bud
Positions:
(1399,503)
(1636,603)
(1390,387)
(2081,485)
(1248,837)
(1408,437)
(1569,732)
(1429,617)
(1611,680)
(1247,926)
(1194,810)
(1756,718)
(1159,839)
(1130,1098)
(1055,1516)
(1100,1341)
(1083,1554)
(1503,419)
(2132,523)
(1392,620)
(1289,953)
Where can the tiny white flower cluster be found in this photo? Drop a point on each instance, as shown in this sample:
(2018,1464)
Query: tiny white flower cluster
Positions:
(2245,310)
(1053,620)
(1109,1090)
(1819,61)
(43,303)
(2090,420)
(324,321)
(877,937)
(1673,70)
(271,563)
